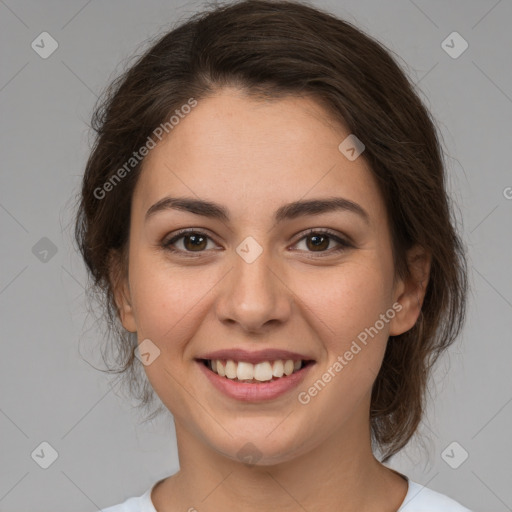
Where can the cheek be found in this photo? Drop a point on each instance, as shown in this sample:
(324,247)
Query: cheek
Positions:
(347,311)
(168,301)
(163,310)
(346,300)
(152,291)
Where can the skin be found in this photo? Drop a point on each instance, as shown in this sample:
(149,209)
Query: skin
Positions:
(252,157)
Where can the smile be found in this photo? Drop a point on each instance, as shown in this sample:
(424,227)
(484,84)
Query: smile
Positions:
(257,382)
(265,371)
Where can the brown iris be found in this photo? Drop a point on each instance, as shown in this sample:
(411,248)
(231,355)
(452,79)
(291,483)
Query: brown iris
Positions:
(323,244)
(196,240)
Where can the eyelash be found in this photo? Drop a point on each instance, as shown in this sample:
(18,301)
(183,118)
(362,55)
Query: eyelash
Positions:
(343,244)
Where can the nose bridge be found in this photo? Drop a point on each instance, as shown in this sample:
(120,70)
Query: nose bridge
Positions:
(254,294)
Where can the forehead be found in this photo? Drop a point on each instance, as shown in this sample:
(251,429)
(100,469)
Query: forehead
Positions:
(253,155)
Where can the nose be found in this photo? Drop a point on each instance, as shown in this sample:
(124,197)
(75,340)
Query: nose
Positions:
(254,296)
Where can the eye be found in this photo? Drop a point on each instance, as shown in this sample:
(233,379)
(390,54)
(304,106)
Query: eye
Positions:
(320,240)
(192,241)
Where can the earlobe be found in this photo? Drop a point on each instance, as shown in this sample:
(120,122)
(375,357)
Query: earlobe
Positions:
(410,291)
(121,291)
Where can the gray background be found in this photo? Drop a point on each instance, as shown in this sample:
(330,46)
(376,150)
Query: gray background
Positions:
(49,388)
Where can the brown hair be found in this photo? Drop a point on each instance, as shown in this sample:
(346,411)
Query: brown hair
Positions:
(272,49)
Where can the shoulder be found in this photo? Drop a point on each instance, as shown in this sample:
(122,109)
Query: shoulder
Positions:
(422,499)
(130,505)
(136,504)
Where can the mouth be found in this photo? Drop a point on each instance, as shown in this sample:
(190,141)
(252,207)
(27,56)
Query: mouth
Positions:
(254,376)
(255,373)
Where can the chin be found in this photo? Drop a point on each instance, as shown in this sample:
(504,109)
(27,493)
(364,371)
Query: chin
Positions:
(260,449)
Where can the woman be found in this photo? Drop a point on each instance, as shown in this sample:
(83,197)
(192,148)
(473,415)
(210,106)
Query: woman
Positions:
(265,213)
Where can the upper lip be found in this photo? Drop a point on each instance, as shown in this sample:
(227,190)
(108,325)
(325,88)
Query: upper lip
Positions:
(254,357)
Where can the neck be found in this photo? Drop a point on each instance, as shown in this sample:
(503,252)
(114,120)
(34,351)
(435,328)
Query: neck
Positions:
(339,474)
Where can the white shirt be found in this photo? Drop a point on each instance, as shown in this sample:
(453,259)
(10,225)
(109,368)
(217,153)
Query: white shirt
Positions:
(418,499)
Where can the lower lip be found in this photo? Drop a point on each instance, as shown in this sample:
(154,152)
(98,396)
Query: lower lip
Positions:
(252,392)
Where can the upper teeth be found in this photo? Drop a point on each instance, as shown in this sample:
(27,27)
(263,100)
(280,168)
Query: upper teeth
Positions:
(263,371)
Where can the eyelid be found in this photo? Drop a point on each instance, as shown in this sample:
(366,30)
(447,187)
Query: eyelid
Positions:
(335,235)
(343,241)
(167,242)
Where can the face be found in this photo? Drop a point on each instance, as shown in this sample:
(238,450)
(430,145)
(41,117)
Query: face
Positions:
(315,282)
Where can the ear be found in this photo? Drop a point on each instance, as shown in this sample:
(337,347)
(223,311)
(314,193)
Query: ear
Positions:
(118,275)
(410,292)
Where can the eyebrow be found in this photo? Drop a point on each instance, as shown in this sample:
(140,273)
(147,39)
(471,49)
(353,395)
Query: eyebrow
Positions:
(286,212)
